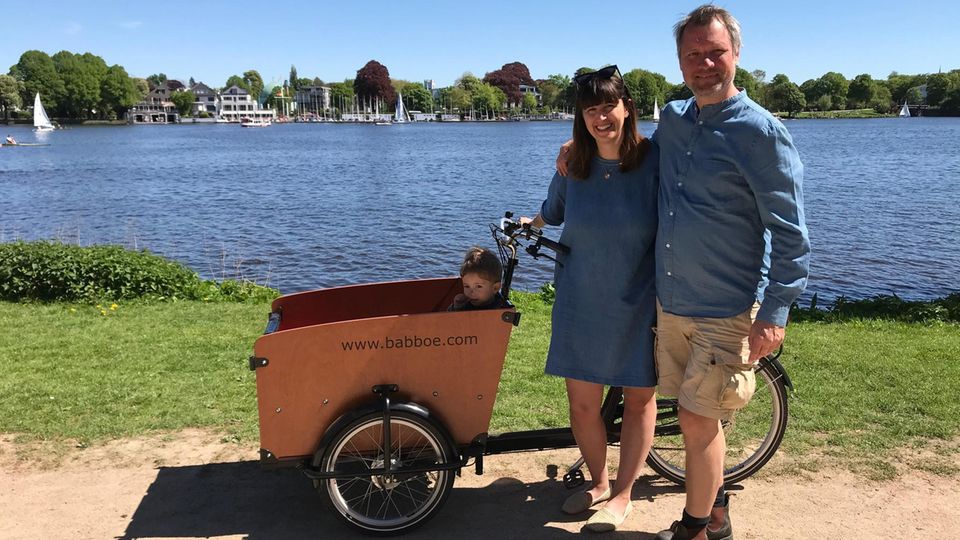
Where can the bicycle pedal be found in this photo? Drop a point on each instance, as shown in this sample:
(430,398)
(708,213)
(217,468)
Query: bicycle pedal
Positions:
(573,479)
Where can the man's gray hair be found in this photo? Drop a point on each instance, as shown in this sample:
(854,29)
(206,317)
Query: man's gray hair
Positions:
(703,16)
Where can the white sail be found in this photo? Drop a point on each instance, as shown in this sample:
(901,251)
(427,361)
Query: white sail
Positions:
(656,111)
(41,122)
(905,110)
(400,115)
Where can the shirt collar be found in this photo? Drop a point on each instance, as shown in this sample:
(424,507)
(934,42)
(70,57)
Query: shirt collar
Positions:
(715,108)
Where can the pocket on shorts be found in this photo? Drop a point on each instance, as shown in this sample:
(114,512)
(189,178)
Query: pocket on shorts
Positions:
(737,380)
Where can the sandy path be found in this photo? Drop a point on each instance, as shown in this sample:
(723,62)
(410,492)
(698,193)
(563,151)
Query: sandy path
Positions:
(192,486)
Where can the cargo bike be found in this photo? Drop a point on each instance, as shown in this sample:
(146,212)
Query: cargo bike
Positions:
(381,396)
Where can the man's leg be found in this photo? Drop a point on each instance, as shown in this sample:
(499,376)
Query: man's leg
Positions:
(717,380)
(705,447)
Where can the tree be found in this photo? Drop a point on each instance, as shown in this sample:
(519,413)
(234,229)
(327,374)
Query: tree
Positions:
(419,98)
(900,84)
(951,105)
(468,82)
(508,79)
(192,82)
(9,95)
(183,100)
(118,92)
(835,86)
(565,92)
(645,87)
(529,102)
(157,79)
(785,95)
(37,73)
(236,80)
(882,102)
(862,91)
(143,87)
(913,95)
(678,92)
(373,82)
(341,95)
(460,99)
(254,84)
(809,89)
(82,77)
(487,99)
(938,86)
(294,80)
(746,81)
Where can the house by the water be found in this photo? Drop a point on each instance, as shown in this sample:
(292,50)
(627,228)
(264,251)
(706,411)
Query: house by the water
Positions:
(232,105)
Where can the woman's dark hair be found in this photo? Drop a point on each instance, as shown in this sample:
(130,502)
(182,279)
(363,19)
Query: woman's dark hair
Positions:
(594,91)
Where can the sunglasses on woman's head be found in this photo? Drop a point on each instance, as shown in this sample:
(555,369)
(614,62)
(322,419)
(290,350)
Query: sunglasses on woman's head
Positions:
(608,72)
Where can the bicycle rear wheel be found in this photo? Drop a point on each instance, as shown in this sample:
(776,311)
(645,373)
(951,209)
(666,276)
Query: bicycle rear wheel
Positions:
(753,436)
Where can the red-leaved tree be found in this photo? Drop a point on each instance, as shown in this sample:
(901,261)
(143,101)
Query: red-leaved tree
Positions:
(509,78)
(372,82)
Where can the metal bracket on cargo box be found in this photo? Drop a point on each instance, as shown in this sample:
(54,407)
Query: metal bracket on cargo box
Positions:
(257,362)
(267,458)
(273,322)
(512,317)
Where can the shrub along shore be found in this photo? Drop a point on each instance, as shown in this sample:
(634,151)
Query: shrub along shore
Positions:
(875,379)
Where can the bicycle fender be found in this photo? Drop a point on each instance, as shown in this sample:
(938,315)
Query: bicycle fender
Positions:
(376,406)
(781,372)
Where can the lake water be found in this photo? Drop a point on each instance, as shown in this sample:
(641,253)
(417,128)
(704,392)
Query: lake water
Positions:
(302,206)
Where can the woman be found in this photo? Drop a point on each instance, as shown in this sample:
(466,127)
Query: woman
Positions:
(605,308)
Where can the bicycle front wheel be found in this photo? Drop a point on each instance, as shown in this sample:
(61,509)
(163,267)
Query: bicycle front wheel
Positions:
(394,503)
(753,436)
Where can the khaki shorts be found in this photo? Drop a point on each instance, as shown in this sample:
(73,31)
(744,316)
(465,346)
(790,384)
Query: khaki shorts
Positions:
(704,362)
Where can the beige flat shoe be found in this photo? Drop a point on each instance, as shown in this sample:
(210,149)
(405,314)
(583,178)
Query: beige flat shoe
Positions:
(605,520)
(581,501)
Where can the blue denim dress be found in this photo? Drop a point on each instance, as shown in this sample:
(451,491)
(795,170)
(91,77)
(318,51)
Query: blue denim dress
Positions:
(605,308)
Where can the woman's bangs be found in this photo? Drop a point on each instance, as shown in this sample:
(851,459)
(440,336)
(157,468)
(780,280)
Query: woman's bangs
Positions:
(600,91)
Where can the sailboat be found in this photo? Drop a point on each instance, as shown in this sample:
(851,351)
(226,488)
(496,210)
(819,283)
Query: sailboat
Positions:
(400,115)
(904,111)
(656,111)
(41,122)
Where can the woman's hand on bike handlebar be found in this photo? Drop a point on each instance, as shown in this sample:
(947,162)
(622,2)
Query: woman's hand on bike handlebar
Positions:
(536,222)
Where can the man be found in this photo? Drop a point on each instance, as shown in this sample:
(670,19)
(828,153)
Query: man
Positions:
(732,254)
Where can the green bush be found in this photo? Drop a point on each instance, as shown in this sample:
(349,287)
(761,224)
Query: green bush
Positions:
(548,293)
(52,271)
(886,307)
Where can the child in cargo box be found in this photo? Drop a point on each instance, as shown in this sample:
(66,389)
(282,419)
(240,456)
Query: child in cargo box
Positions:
(480,273)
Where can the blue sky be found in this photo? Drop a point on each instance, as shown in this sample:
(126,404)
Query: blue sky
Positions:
(418,39)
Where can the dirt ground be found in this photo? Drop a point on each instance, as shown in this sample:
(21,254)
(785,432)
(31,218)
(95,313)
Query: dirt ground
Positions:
(191,485)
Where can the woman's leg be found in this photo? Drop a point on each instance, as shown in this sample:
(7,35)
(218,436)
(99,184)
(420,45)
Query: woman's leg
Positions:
(636,437)
(588,429)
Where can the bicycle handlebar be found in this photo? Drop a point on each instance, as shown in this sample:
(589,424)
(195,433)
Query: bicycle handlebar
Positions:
(509,234)
(512,230)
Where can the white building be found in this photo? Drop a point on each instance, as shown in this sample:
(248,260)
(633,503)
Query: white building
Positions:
(236,104)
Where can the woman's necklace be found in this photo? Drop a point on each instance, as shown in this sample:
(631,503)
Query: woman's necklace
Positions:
(607,171)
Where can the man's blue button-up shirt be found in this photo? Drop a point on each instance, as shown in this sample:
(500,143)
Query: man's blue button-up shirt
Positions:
(731,229)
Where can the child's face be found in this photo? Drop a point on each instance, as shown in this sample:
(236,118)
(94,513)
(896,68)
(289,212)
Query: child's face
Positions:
(478,290)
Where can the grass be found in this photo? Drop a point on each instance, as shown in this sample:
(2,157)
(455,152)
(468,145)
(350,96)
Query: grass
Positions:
(70,371)
(848,113)
(874,395)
